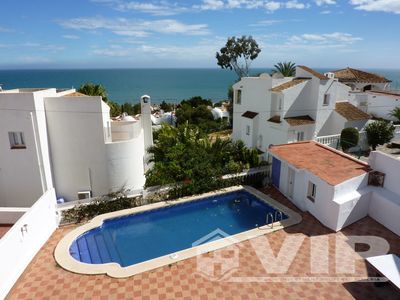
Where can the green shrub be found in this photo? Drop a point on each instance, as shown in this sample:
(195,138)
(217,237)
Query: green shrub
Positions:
(379,133)
(349,138)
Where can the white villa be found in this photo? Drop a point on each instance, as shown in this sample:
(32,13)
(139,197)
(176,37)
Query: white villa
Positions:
(336,188)
(369,92)
(278,110)
(65,139)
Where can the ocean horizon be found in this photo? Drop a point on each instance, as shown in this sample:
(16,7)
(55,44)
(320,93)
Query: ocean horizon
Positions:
(127,85)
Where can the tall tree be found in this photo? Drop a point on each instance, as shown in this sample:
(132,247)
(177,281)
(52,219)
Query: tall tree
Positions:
(395,113)
(379,133)
(92,89)
(287,68)
(237,54)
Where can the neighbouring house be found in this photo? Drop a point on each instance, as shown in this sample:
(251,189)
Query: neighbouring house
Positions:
(336,188)
(65,139)
(359,80)
(369,92)
(161,117)
(220,113)
(278,110)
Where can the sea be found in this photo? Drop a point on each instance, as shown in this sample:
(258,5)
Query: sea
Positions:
(127,85)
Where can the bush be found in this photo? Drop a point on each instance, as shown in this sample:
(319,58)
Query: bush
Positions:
(105,204)
(379,133)
(187,159)
(349,138)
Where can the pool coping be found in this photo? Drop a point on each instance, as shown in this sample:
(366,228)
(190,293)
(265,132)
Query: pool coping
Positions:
(67,262)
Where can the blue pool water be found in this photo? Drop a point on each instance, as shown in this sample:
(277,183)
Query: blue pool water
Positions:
(139,237)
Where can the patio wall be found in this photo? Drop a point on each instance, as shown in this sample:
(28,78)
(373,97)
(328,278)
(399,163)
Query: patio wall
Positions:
(21,243)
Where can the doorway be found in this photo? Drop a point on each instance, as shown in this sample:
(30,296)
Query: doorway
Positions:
(290,182)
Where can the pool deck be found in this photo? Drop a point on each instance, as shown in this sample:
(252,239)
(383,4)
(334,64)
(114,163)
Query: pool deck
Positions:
(65,260)
(44,279)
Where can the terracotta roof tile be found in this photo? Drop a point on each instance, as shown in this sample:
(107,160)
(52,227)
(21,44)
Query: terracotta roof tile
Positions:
(314,73)
(300,120)
(288,84)
(75,94)
(249,114)
(330,165)
(350,112)
(354,75)
(275,119)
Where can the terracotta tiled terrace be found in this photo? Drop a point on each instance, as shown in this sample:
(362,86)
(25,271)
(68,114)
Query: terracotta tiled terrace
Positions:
(4,228)
(44,279)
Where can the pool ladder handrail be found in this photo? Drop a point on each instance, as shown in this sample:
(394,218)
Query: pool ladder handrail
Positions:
(273,218)
(267,219)
(278,213)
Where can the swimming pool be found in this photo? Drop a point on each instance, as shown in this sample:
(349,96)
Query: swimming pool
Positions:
(167,231)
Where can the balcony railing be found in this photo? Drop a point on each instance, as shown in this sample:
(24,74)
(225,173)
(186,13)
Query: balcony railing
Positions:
(334,140)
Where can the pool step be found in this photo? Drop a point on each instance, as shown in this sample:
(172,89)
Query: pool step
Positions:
(96,248)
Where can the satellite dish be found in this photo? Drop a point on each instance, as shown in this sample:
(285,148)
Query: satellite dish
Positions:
(277,75)
(264,75)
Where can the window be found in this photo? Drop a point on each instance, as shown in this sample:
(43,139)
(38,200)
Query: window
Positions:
(247,129)
(326,100)
(300,136)
(312,189)
(17,140)
(239,97)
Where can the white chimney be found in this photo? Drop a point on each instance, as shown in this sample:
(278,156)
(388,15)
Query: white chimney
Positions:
(145,121)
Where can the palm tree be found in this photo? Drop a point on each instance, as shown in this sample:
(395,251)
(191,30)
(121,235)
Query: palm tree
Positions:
(287,69)
(395,113)
(92,89)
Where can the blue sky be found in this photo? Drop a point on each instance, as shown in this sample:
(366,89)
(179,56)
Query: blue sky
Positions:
(168,33)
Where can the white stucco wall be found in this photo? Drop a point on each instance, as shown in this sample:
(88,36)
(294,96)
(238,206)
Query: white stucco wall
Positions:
(334,206)
(75,129)
(18,247)
(380,105)
(20,180)
(388,165)
(256,97)
(352,200)
(125,166)
(323,207)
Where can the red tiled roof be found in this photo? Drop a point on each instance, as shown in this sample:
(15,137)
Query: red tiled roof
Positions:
(314,73)
(75,94)
(354,75)
(300,120)
(332,166)
(288,84)
(350,112)
(249,114)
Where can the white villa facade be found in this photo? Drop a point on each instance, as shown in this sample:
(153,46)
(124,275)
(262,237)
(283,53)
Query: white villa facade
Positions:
(66,140)
(369,92)
(278,110)
(336,188)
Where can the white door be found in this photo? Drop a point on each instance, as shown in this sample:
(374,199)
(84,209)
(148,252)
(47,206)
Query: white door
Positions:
(290,182)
